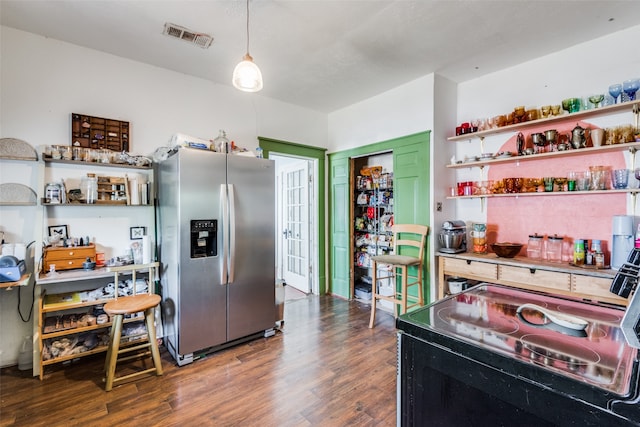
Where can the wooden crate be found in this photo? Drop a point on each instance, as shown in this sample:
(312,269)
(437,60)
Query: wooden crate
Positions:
(113,190)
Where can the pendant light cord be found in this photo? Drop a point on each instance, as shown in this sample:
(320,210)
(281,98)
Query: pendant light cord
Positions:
(247,27)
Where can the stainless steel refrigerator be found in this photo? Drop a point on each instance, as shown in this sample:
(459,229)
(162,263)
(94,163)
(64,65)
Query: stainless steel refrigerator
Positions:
(217,250)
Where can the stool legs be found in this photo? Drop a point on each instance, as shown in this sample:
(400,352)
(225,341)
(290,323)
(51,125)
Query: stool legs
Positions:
(151,331)
(403,301)
(112,352)
(374,293)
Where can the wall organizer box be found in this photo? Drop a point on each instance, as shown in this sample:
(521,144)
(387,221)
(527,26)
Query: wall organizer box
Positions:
(98,132)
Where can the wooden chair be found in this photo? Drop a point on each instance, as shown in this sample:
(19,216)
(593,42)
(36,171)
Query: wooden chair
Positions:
(412,235)
(117,309)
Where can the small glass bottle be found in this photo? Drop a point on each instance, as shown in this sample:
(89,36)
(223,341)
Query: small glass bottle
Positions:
(259,153)
(90,188)
(579,252)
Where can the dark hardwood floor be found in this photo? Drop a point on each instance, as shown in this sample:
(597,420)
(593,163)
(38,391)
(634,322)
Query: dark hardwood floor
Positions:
(325,368)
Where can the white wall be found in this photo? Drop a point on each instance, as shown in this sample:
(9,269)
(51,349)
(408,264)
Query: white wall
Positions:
(42,81)
(404,110)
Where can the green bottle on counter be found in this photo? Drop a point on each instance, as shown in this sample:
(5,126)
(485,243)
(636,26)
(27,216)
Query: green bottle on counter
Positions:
(579,252)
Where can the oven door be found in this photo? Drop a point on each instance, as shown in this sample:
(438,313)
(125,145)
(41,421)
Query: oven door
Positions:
(441,387)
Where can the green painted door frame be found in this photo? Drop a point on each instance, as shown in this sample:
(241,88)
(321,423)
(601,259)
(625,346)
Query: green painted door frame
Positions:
(411,170)
(275,146)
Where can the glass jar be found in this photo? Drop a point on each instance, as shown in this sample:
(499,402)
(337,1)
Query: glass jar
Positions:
(534,247)
(554,248)
(221,143)
(479,238)
(89,188)
(52,193)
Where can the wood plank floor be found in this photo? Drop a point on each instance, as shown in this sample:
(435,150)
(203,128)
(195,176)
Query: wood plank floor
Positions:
(325,368)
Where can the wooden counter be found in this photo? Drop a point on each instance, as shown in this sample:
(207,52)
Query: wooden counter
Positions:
(526,273)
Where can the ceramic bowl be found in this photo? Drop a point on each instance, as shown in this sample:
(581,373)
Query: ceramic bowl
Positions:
(506,250)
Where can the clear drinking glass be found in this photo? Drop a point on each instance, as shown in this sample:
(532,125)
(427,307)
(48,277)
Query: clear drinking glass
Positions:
(596,99)
(620,178)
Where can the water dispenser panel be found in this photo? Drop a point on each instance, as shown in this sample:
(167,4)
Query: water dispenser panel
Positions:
(204,238)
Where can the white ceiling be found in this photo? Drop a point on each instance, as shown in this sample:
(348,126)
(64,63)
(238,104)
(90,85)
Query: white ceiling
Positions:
(326,54)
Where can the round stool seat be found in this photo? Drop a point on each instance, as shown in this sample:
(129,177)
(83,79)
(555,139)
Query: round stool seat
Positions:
(132,304)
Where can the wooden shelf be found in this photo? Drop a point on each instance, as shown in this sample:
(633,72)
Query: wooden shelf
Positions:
(64,332)
(550,193)
(48,308)
(624,106)
(73,276)
(631,146)
(24,280)
(96,350)
(85,164)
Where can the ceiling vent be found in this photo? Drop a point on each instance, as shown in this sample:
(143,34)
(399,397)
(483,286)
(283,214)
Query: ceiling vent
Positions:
(199,39)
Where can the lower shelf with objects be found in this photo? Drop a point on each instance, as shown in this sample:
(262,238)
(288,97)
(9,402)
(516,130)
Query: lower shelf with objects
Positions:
(73,324)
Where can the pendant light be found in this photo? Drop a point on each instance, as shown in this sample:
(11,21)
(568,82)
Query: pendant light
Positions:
(247,76)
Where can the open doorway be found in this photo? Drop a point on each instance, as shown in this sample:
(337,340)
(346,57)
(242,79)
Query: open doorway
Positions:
(296,230)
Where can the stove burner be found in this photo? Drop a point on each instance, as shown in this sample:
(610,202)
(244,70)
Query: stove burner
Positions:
(588,313)
(545,347)
(473,316)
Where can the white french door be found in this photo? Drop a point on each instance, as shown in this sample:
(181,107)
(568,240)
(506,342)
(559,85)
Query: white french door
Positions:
(295,225)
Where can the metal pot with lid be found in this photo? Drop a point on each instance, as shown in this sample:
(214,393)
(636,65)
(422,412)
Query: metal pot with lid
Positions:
(577,137)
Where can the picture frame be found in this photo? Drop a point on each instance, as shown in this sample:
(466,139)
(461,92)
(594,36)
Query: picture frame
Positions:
(136,233)
(60,231)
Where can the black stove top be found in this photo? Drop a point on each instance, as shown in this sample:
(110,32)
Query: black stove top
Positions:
(487,317)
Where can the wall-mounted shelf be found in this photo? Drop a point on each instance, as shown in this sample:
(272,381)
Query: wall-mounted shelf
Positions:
(630,146)
(632,191)
(24,281)
(623,106)
(17,149)
(14,194)
(85,164)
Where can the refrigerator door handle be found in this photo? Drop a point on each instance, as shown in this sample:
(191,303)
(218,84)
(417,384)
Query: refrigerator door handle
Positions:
(224,206)
(232,233)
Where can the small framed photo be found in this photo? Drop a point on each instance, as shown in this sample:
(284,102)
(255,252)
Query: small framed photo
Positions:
(136,233)
(59,231)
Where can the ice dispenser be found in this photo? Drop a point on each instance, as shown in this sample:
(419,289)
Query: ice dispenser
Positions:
(204,238)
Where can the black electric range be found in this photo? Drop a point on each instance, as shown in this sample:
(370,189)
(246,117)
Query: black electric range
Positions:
(491,356)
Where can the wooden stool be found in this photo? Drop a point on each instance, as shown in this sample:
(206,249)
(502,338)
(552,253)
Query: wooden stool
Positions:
(116,309)
(412,235)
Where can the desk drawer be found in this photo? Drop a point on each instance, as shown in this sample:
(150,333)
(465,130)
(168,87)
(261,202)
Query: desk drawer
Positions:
(68,258)
(534,277)
(54,254)
(471,269)
(596,287)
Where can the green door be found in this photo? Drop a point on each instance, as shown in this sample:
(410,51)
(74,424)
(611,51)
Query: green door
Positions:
(411,199)
(340,256)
